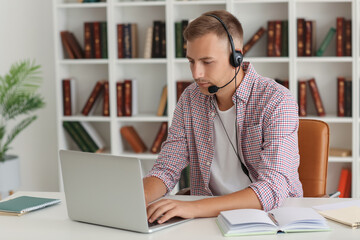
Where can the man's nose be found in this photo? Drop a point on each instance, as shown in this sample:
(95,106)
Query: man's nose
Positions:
(197,71)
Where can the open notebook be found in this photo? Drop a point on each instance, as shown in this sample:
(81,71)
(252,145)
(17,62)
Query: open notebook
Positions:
(257,222)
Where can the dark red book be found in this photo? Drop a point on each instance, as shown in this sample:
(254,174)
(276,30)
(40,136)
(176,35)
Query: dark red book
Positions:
(300,36)
(347,38)
(68,101)
(316,97)
(302,86)
(285,83)
(68,53)
(120,99)
(120,43)
(88,39)
(106,105)
(160,138)
(156,43)
(308,38)
(277,39)
(127,98)
(132,137)
(340,36)
(95,93)
(180,87)
(75,46)
(271,38)
(341,96)
(96,39)
(255,38)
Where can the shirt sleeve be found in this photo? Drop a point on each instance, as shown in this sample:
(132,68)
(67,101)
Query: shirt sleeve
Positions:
(277,171)
(174,155)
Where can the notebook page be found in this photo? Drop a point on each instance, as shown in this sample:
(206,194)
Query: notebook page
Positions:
(246,216)
(288,215)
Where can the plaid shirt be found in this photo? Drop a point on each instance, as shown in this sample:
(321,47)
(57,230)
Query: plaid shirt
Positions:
(268,138)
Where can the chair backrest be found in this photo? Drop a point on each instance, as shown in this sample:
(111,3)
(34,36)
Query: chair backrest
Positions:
(314,151)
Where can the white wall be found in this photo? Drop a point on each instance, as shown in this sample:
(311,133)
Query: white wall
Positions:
(26,32)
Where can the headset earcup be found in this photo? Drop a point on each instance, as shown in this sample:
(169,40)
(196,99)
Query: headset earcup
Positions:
(236,59)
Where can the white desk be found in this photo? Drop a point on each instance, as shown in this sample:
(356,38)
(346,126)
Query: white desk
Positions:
(53,223)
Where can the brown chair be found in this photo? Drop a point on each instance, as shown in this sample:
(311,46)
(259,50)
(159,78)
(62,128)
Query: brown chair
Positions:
(314,151)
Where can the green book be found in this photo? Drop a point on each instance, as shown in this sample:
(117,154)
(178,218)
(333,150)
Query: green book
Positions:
(326,42)
(75,136)
(284,38)
(84,136)
(178,40)
(24,204)
(103,40)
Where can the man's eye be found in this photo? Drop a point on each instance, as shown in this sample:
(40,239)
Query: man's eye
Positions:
(207,62)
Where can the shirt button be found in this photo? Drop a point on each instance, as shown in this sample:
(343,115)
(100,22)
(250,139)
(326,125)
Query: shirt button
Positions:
(212,114)
(208,163)
(209,139)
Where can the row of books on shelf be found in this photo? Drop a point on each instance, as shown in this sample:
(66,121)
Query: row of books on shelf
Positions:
(306,38)
(126,98)
(344,96)
(95,42)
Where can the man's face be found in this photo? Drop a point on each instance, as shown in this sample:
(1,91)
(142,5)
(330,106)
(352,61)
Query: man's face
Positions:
(209,61)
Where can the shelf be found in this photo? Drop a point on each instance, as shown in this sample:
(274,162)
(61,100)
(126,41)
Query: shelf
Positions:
(84,61)
(86,118)
(341,159)
(140,4)
(82,5)
(330,119)
(141,61)
(266,59)
(143,118)
(324,59)
(191,3)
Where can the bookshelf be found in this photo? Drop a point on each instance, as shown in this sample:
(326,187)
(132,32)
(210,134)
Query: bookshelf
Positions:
(152,74)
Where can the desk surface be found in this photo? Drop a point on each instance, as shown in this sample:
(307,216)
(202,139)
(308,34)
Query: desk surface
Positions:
(53,223)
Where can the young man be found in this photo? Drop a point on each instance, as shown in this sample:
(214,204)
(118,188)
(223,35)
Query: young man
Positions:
(236,129)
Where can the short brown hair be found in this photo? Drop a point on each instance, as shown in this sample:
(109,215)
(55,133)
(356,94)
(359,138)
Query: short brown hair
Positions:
(207,24)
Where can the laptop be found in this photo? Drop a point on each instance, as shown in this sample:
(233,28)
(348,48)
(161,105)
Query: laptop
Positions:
(106,190)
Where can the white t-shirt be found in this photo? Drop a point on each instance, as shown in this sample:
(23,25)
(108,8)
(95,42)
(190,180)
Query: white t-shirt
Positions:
(226,175)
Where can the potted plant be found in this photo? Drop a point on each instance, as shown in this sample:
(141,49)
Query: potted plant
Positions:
(18,98)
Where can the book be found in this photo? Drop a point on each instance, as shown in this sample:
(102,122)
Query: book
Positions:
(347,37)
(134,40)
(316,97)
(300,36)
(340,96)
(103,40)
(132,137)
(348,97)
(180,87)
(340,36)
(130,97)
(127,40)
(285,38)
(184,24)
(308,49)
(156,42)
(162,104)
(106,106)
(80,143)
(284,83)
(120,99)
(178,40)
(271,38)
(88,38)
(302,98)
(68,53)
(94,137)
(345,212)
(344,185)
(277,39)
(148,42)
(242,222)
(96,39)
(69,96)
(120,51)
(94,95)
(325,43)
(339,152)
(24,204)
(254,39)
(160,138)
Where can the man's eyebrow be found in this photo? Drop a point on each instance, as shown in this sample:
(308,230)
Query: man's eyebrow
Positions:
(203,58)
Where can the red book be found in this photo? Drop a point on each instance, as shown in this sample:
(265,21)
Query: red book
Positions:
(277,39)
(300,36)
(341,96)
(93,97)
(308,38)
(347,38)
(68,53)
(271,38)
(106,107)
(120,99)
(344,182)
(160,138)
(316,97)
(180,87)
(88,40)
(127,98)
(302,98)
(132,137)
(68,96)
(120,42)
(340,36)
(96,39)
(256,37)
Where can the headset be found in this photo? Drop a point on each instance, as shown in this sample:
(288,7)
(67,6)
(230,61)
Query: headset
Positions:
(236,56)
